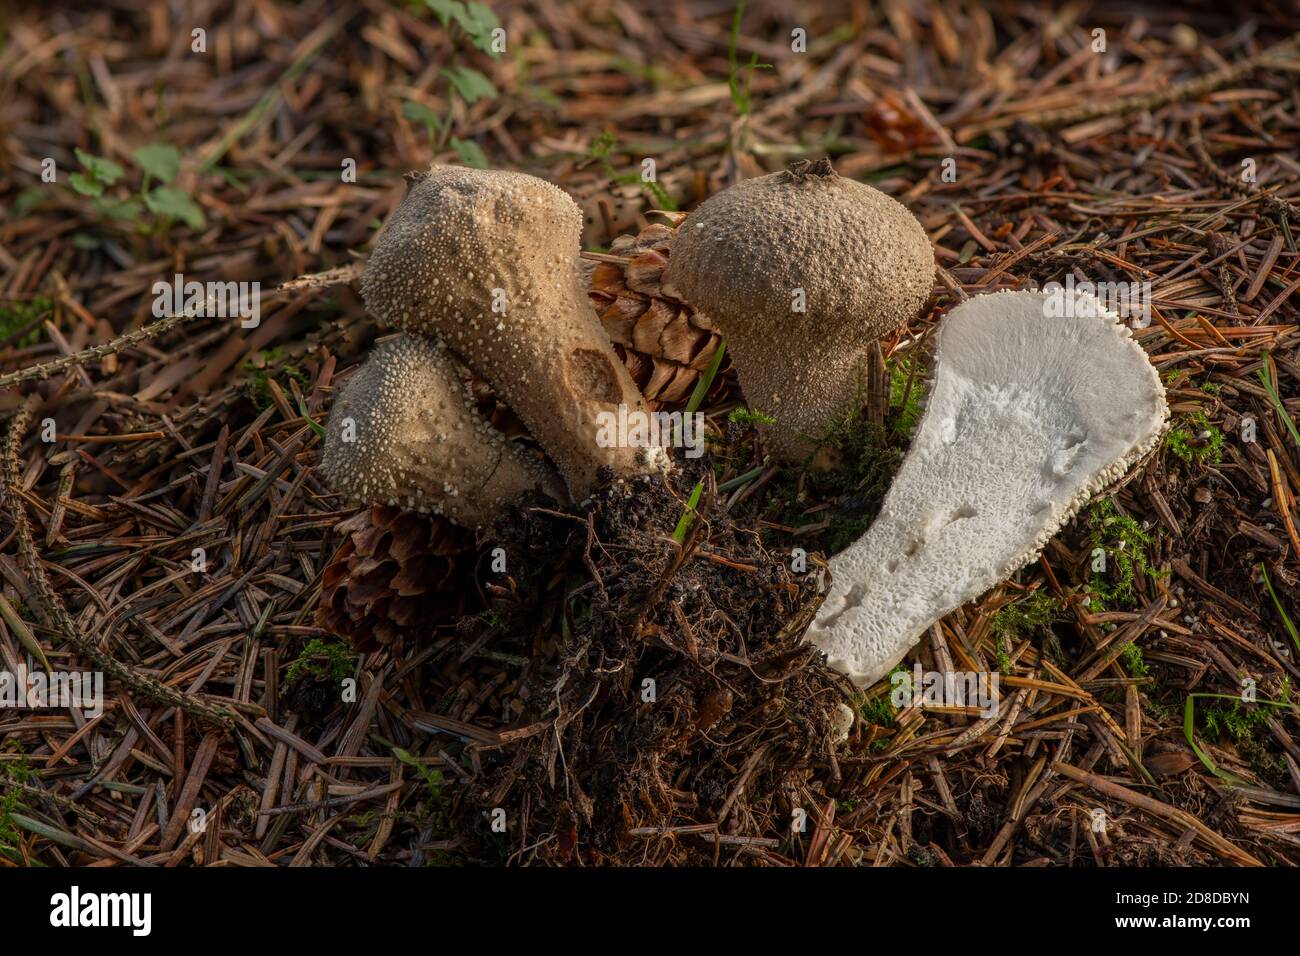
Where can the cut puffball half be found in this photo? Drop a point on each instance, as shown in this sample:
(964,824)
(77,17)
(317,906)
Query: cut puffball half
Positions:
(1040,401)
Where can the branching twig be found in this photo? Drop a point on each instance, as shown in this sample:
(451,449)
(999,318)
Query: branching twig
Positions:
(1175,93)
(1279,207)
(37,373)
(145,686)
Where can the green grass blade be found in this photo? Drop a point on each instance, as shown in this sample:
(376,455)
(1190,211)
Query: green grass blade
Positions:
(706,380)
(1269,386)
(684,522)
(1295,636)
(1189,731)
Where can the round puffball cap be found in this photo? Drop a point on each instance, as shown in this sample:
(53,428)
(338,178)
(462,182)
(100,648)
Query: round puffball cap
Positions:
(862,260)
(404,432)
(469,254)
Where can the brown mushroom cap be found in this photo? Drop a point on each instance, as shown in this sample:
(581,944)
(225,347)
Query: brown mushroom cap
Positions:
(865,266)
(419,443)
(488,262)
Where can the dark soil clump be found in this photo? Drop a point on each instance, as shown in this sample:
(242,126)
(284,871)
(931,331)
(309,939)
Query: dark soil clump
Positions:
(683,719)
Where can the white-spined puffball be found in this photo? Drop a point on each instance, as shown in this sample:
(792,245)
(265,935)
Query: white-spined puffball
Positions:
(405,432)
(488,262)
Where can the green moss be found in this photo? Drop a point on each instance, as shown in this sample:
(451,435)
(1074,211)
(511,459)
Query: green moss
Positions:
(906,403)
(437,811)
(1024,617)
(1133,661)
(17,316)
(878,710)
(750,417)
(15,771)
(1127,549)
(1196,440)
(1242,724)
(1234,720)
(321,660)
(1030,616)
(865,464)
(270,363)
(866,456)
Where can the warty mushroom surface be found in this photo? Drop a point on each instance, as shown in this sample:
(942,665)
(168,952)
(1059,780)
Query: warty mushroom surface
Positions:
(854,260)
(487,262)
(405,432)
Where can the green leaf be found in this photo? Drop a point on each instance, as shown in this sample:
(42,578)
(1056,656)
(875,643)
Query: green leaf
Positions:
(470,84)
(315,425)
(469,153)
(86,185)
(119,208)
(419,113)
(28,200)
(162,161)
(445,10)
(166,201)
(1277,603)
(1266,379)
(479,22)
(101,170)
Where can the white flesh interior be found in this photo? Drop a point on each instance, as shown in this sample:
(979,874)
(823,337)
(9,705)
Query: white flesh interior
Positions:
(1030,414)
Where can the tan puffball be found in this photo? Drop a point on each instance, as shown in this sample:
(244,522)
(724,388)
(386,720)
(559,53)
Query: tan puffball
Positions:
(855,260)
(405,432)
(488,261)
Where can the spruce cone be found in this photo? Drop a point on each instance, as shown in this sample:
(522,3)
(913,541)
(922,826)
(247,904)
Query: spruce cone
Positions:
(399,571)
(663,342)
(396,570)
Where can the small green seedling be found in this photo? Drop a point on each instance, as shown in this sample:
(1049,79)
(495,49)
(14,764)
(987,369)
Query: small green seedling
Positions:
(684,522)
(741,77)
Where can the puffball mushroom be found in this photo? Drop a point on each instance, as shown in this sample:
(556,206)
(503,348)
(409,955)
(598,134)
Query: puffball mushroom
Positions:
(405,432)
(854,260)
(1032,412)
(487,261)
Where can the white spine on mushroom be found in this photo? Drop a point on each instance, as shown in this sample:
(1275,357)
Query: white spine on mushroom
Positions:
(1030,415)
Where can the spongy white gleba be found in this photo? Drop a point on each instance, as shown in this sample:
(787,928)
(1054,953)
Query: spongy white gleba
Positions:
(1040,400)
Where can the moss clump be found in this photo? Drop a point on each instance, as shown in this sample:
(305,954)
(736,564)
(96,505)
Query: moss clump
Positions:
(321,660)
(437,812)
(1234,720)
(270,364)
(1024,617)
(906,395)
(17,316)
(865,464)
(867,457)
(1196,440)
(1133,661)
(1127,549)
(878,710)
(749,417)
(1242,723)
(1035,613)
(11,771)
